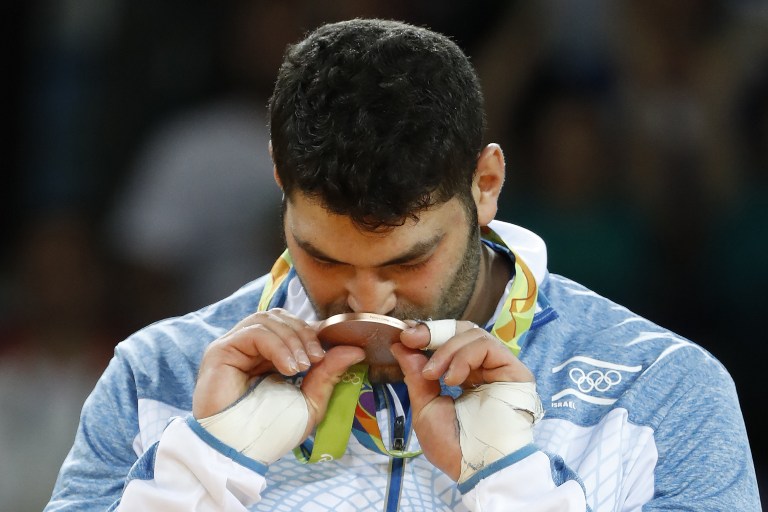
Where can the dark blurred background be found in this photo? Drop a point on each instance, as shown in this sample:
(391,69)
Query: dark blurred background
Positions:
(137,182)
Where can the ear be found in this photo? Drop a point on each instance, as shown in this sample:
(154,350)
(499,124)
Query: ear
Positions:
(274,168)
(277,177)
(487,183)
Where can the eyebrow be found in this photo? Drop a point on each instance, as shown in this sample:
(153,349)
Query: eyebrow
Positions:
(416,251)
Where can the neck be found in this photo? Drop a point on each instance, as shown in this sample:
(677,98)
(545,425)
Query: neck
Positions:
(492,279)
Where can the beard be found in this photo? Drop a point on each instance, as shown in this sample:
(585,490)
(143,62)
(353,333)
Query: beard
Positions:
(451,302)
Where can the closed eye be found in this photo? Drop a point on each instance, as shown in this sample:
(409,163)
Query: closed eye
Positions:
(413,267)
(325,263)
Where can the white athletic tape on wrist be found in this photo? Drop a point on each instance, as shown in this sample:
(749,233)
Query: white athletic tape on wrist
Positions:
(268,422)
(495,420)
(440,331)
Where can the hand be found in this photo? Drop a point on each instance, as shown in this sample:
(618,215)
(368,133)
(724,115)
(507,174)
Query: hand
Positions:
(265,342)
(471,358)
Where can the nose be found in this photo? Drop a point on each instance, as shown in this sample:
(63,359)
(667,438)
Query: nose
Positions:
(369,293)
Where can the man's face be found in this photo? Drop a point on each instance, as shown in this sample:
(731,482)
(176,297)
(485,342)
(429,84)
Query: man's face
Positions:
(422,269)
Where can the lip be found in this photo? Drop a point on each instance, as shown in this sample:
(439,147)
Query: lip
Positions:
(372,332)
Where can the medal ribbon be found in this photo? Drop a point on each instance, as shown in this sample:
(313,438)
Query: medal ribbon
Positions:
(352,405)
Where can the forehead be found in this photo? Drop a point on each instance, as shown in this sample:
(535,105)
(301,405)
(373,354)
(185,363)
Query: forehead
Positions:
(307,220)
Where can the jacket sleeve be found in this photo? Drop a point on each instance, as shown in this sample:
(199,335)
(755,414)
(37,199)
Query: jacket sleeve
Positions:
(696,452)
(190,470)
(703,450)
(527,480)
(187,469)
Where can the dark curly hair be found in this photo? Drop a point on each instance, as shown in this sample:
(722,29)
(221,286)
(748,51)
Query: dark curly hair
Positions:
(377,119)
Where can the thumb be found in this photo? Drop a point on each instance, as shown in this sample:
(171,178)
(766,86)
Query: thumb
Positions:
(420,390)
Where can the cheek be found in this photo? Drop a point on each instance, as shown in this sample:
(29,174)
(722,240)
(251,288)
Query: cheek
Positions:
(323,285)
(327,290)
(423,295)
(422,287)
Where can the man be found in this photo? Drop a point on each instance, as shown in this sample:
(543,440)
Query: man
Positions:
(389,200)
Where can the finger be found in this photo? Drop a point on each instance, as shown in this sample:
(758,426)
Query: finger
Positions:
(293,332)
(300,337)
(434,416)
(253,318)
(306,333)
(320,380)
(252,345)
(432,334)
(412,362)
(443,356)
(416,336)
(485,360)
(290,330)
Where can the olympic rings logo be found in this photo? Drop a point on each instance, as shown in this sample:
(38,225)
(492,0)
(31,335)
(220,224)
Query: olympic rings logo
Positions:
(594,380)
(350,378)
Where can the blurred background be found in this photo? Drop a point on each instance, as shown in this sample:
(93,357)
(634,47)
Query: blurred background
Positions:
(137,182)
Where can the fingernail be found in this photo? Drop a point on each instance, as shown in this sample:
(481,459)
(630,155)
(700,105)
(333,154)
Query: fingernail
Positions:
(302,358)
(429,366)
(292,365)
(316,351)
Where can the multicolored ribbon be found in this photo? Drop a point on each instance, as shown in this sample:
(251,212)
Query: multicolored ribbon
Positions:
(332,435)
(516,316)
